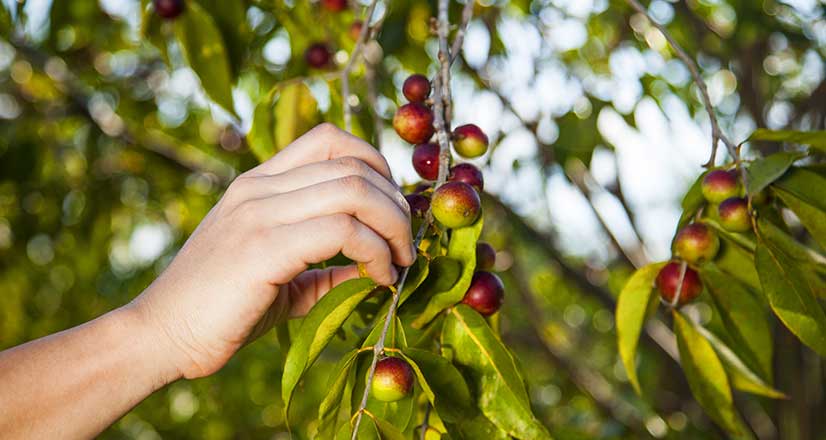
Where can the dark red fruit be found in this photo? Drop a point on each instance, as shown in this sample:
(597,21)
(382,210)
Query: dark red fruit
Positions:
(470,141)
(418,203)
(426,160)
(393,379)
(334,5)
(414,122)
(456,205)
(485,256)
(734,214)
(719,185)
(318,55)
(669,278)
(355,29)
(696,243)
(168,9)
(416,88)
(485,294)
(468,173)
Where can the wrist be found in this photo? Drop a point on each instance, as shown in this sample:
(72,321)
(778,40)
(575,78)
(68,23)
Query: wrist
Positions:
(150,345)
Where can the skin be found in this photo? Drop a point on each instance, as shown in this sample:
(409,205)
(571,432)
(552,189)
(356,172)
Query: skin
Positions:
(242,270)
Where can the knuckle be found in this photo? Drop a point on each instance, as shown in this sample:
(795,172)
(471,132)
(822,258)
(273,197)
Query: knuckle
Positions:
(247,212)
(356,186)
(345,223)
(326,129)
(351,166)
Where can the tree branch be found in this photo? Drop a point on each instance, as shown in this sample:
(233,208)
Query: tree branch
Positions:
(345,73)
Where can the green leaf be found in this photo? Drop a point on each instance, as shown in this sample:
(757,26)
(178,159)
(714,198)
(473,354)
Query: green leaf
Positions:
(442,383)
(741,376)
(260,138)
(815,139)
(151,29)
(790,294)
(706,375)
(738,263)
(496,379)
(203,49)
(230,17)
(296,112)
(387,431)
(328,413)
(812,218)
(632,306)
(318,327)
(476,428)
(418,273)
(692,201)
(462,247)
(744,318)
(763,172)
(805,184)
(789,246)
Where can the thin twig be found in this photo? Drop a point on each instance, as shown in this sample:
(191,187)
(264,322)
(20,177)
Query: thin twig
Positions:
(443,26)
(467,14)
(441,95)
(423,428)
(345,73)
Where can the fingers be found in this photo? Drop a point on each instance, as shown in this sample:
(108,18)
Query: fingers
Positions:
(253,186)
(307,288)
(352,195)
(324,142)
(324,237)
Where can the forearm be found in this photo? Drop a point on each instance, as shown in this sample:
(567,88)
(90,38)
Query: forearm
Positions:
(75,383)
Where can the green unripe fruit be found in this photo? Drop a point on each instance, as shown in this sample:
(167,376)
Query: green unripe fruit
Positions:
(719,185)
(470,141)
(696,243)
(734,214)
(393,379)
(456,205)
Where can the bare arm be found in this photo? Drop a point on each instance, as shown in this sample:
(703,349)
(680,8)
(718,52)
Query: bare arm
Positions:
(241,271)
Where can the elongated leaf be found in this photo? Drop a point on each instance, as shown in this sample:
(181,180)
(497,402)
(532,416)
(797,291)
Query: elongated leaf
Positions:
(462,247)
(442,383)
(789,246)
(737,262)
(692,201)
(418,273)
(744,318)
(203,48)
(318,327)
(815,139)
(791,295)
(496,379)
(328,413)
(632,305)
(807,185)
(706,375)
(742,377)
(296,112)
(261,138)
(230,17)
(763,172)
(476,428)
(812,218)
(388,431)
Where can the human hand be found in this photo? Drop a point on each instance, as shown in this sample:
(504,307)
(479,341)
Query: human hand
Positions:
(245,266)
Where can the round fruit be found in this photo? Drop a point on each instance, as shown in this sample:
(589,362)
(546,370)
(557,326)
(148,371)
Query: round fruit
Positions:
(416,88)
(355,29)
(456,204)
(393,379)
(470,141)
(719,185)
(418,203)
(168,9)
(696,243)
(485,294)
(468,173)
(485,256)
(734,214)
(426,160)
(414,122)
(334,5)
(318,55)
(669,278)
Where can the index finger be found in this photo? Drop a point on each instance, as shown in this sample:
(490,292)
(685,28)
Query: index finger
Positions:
(324,142)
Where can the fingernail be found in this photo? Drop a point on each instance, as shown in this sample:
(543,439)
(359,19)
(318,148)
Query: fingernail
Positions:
(394,274)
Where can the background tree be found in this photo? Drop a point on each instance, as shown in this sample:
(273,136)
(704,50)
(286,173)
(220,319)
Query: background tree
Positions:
(123,122)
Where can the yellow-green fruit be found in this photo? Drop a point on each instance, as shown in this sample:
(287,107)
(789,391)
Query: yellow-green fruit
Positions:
(696,243)
(470,141)
(393,379)
(734,214)
(456,204)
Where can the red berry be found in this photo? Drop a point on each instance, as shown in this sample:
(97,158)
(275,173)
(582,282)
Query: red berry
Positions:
(485,256)
(426,160)
(468,173)
(734,214)
(334,5)
(168,9)
(393,379)
(355,29)
(669,278)
(485,294)
(318,55)
(456,204)
(414,123)
(470,141)
(418,203)
(416,88)
(719,185)
(696,243)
